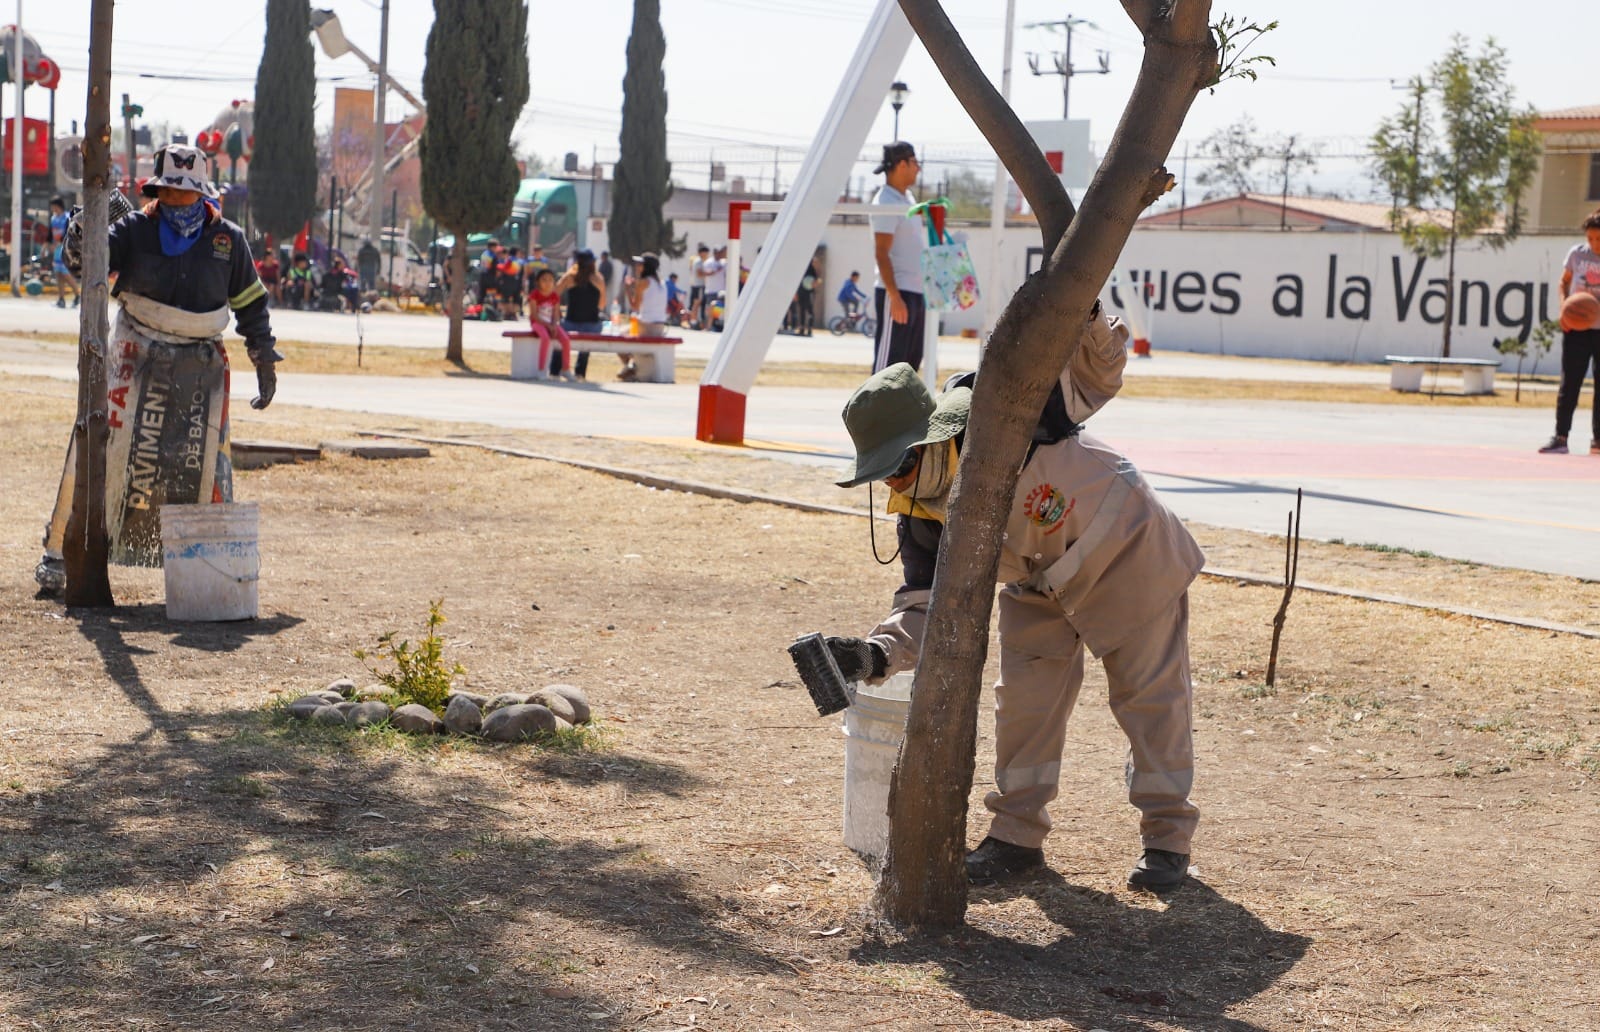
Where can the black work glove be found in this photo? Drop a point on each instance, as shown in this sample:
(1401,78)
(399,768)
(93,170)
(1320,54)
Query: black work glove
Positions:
(72,244)
(266,359)
(857,658)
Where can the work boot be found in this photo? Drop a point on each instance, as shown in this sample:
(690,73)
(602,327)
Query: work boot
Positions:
(1557,446)
(994,860)
(51,575)
(1159,870)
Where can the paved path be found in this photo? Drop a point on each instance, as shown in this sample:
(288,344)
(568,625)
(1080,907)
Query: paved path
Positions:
(1457,481)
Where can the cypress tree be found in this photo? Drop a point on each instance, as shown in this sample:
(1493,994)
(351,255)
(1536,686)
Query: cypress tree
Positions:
(643,177)
(283,166)
(475,85)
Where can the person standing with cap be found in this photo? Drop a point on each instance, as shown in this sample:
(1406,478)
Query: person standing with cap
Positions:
(898,241)
(1090,557)
(181,270)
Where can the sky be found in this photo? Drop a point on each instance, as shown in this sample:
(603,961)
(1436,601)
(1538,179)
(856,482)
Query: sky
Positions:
(748,80)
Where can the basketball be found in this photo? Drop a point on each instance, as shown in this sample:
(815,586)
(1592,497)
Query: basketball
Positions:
(1580,311)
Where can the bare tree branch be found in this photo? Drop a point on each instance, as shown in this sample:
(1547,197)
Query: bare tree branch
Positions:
(994,118)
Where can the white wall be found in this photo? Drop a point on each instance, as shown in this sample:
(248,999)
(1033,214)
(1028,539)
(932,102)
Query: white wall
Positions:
(1328,296)
(1335,296)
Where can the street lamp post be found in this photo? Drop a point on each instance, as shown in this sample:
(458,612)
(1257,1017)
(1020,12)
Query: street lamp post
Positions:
(898,91)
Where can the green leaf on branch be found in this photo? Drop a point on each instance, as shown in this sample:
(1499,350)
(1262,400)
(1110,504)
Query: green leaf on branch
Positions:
(1234,37)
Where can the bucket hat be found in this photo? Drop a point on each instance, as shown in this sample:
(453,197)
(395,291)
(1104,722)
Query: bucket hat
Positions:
(181,167)
(894,411)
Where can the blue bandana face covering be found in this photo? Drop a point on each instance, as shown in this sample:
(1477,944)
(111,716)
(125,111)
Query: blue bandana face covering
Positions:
(180,227)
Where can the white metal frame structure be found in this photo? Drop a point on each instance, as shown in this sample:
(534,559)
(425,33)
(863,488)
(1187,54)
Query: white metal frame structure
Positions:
(750,324)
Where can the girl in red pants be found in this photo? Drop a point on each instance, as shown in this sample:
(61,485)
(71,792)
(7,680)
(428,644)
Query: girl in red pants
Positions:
(544,307)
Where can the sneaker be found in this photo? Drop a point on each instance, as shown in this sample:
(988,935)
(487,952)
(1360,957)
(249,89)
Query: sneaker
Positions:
(61,302)
(994,860)
(629,373)
(51,575)
(1159,870)
(1557,446)
(567,376)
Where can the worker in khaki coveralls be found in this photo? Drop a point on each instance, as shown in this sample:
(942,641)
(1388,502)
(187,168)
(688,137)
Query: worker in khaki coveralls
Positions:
(1090,556)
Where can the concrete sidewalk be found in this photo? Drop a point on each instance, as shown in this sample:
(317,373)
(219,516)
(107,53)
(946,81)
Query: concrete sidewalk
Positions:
(1458,481)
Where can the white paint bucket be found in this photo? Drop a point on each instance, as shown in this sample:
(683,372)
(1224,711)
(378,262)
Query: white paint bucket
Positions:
(211,560)
(873,727)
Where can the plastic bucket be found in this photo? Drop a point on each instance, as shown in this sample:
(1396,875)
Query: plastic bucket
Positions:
(873,728)
(211,560)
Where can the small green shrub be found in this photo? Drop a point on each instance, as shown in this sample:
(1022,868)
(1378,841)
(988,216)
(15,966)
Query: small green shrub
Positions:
(419,674)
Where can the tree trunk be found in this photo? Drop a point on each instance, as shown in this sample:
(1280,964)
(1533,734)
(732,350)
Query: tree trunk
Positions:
(458,291)
(86,546)
(924,879)
(1450,290)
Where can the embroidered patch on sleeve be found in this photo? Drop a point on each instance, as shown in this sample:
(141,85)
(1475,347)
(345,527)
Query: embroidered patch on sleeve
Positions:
(222,247)
(1048,507)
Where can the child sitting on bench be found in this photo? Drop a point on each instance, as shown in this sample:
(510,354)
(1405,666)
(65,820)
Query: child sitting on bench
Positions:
(544,313)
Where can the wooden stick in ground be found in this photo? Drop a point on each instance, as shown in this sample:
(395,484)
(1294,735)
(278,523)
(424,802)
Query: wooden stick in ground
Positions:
(1291,571)
(86,546)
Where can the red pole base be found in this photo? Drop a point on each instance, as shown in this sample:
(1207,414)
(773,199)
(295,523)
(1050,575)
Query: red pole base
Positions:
(1141,347)
(721,418)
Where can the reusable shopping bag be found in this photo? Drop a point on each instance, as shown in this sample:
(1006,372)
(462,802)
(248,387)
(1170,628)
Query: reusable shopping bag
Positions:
(949,277)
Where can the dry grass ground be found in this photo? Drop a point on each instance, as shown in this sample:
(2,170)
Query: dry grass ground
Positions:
(1402,835)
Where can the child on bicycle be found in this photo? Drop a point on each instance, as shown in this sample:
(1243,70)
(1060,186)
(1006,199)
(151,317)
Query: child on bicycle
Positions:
(851,295)
(544,313)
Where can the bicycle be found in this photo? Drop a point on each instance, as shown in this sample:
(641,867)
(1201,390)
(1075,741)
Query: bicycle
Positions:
(839,325)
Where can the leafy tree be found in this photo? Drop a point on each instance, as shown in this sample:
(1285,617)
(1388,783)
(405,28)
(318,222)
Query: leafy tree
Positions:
(1236,150)
(475,84)
(1398,166)
(924,881)
(970,195)
(283,167)
(643,176)
(1472,152)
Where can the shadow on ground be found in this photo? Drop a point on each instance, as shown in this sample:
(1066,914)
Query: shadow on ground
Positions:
(1116,965)
(247,871)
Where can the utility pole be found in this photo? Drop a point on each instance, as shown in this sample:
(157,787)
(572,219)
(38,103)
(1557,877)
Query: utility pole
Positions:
(1062,60)
(131,147)
(18,251)
(1283,197)
(375,205)
(997,198)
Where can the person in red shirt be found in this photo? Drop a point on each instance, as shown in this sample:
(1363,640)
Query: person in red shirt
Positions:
(544,313)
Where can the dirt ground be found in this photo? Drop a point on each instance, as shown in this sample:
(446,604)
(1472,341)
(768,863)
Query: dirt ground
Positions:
(1401,836)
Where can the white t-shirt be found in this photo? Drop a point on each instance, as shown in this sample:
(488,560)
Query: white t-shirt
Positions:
(653,303)
(1584,265)
(697,272)
(716,276)
(905,254)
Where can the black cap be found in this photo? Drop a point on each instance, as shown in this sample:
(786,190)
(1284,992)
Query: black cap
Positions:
(893,154)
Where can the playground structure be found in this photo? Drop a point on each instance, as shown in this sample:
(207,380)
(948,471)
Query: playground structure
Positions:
(358,203)
(751,323)
(737,360)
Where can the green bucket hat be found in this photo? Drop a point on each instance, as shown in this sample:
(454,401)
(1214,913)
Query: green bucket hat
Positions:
(894,411)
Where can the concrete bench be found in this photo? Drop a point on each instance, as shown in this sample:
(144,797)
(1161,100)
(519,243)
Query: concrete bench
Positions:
(1405,372)
(530,357)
